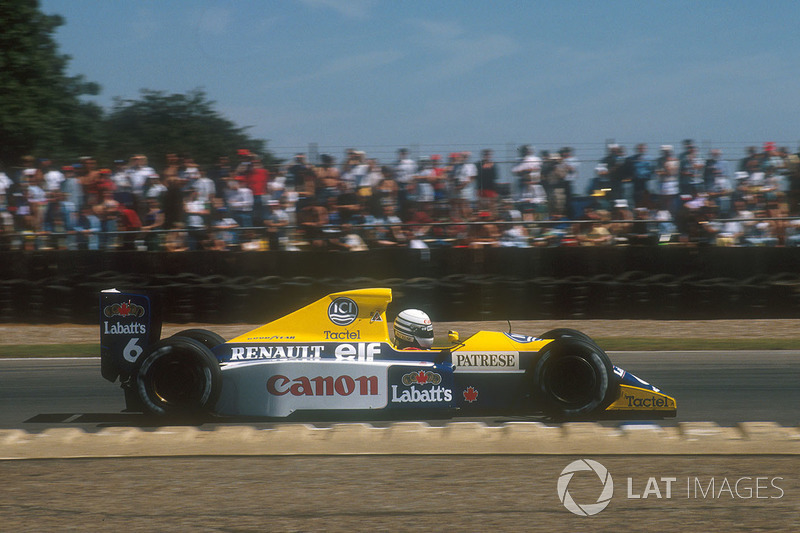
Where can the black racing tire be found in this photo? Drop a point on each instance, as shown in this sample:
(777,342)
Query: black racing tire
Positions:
(559,333)
(179,377)
(573,378)
(207,338)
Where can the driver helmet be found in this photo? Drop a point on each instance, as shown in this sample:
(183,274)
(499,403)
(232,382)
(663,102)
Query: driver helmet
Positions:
(413,329)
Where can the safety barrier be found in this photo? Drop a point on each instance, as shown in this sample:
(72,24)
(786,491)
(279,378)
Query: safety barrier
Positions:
(187,297)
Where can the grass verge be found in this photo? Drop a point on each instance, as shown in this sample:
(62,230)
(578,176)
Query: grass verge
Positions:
(607,343)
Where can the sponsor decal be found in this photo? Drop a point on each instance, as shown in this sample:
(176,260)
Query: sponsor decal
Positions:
(246,353)
(136,328)
(342,335)
(470,394)
(376,317)
(360,351)
(640,401)
(634,399)
(618,371)
(125,310)
(414,395)
(363,351)
(343,385)
(273,338)
(485,362)
(343,311)
(423,377)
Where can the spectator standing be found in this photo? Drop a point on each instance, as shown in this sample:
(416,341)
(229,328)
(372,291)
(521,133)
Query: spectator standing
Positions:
(297,172)
(405,169)
(190,171)
(614,162)
(206,190)
(751,162)
(690,180)
(198,213)
(130,224)
(464,181)
(528,169)
(793,175)
(152,221)
(28,169)
(87,229)
(571,165)
(277,223)
(668,171)
(5,184)
(89,174)
(386,230)
(123,190)
(386,191)
(257,179)
(312,219)
(424,183)
(156,188)
(108,213)
(486,181)
(138,173)
(355,171)
(240,203)
(37,199)
(173,202)
(52,178)
(219,173)
(640,168)
(72,188)
(327,177)
(720,190)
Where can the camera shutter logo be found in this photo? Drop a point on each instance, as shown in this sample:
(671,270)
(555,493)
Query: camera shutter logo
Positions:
(588,509)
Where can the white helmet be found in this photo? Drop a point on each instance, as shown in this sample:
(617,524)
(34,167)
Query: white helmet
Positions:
(413,328)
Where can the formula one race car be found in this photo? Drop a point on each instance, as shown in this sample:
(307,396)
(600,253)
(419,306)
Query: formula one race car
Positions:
(335,355)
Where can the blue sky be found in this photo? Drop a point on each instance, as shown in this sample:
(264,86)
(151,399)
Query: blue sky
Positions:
(380,74)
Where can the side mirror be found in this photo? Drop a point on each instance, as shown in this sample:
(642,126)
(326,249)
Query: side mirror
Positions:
(452,336)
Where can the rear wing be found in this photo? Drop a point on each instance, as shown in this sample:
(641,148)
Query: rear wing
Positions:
(129,323)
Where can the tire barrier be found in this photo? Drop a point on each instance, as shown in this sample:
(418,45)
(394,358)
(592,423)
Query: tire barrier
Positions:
(218,299)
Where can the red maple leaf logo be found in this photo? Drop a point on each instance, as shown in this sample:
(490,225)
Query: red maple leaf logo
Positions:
(422,377)
(125,309)
(470,394)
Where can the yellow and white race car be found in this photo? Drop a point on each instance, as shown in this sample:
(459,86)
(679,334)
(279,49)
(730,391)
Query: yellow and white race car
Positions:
(336,356)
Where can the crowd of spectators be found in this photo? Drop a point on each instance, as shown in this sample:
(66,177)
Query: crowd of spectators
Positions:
(361,203)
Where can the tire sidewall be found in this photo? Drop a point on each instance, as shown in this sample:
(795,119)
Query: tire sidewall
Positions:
(207,338)
(603,389)
(201,356)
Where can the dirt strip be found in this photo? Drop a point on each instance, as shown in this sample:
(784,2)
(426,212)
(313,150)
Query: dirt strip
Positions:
(384,493)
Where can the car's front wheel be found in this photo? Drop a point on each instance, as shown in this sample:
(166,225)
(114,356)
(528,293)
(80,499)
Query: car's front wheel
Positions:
(573,378)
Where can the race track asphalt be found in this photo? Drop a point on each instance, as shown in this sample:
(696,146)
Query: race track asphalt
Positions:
(721,387)
(406,493)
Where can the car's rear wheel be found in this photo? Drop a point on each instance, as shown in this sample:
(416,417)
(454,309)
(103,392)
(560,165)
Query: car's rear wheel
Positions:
(179,376)
(207,338)
(573,378)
